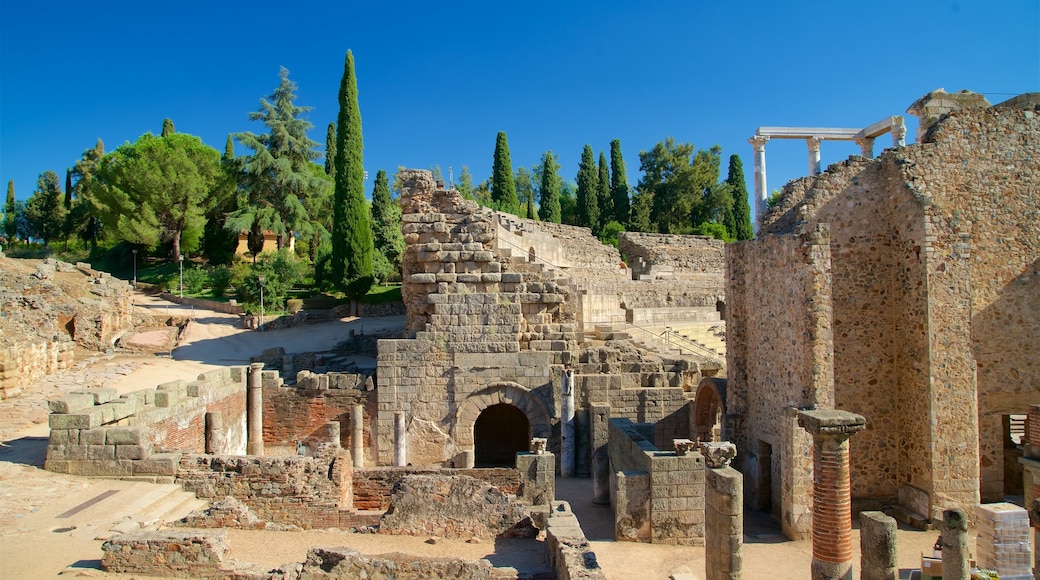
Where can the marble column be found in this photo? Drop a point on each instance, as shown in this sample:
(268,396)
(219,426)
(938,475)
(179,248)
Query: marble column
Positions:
(567,426)
(255,410)
(400,440)
(832,491)
(814,155)
(357,436)
(761,192)
(866,146)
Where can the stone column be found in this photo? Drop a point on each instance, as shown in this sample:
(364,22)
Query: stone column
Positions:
(600,415)
(214,433)
(357,436)
(866,146)
(332,432)
(832,491)
(899,134)
(723,513)
(955,545)
(761,193)
(255,410)
(567,426)
(877,547)
(400,440)
(537,471)
(814,155)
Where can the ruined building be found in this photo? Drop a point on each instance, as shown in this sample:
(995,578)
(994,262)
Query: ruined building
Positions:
(905,289)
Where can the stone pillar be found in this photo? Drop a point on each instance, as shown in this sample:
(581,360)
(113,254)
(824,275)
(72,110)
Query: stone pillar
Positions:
(567,426)
(866,146)
(255,410)
(400,440)
(955,545)
(214,433)
(877,547)
(899,134)
(761,192)
(537,472)
(600,415)
(832,491)
(469,459)
(723,513)
(332,432)
(814,155)
(357,436)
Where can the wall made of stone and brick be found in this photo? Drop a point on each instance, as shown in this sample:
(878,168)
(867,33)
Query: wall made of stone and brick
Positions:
(300,413)
(372,487)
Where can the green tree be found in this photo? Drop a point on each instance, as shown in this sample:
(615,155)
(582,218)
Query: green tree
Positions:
(68,188)
(330,149)
(588,191)
(386,222)
(569,203)
(682,186)
(352,246)
(619,183)
(741,208)
(603,199)
(549,202)
(229,149)
(465,184)
(85,215)
(167,128)
(218,242)
(158,189)
(277,178)
(525,190)
(45,210)
(10,226)
(503,188)
(639,215)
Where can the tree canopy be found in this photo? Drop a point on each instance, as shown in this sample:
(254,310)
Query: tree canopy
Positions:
(741,207)
(386,223)
(549,202)
(619,184)
(503,187)
(680,188)
(588,191)
(45,210)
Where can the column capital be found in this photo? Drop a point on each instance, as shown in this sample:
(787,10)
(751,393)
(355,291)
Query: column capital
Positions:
(758,141)
(899,133)
(257,366)
(831,422)
(866,145)
(813,143)
(718,454)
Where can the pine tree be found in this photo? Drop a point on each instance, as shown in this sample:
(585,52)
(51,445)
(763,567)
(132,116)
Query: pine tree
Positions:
(503,188)
(741,208)
(86,217)
(619,184)
(549,202)
(386,221)
(603,199)
(588,188)
(352,247)
(465,184)
(10,226)
(330,149)
(167,128)
(45,210)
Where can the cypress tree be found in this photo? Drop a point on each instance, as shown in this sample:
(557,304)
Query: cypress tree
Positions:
(386,220)
(330,149)
(68,188)
(10,226)
(618,183)
(352,246)
(588,187)
(503,188)
(229,148)
(167,128)
(549,203)
(741,208)
(525,191)
(603,199)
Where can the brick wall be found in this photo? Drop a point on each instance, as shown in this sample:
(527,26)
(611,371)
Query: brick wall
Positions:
(299,413)
(372,487)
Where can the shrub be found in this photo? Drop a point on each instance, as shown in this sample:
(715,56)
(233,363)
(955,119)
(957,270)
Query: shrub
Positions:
(220,280)
(194,280)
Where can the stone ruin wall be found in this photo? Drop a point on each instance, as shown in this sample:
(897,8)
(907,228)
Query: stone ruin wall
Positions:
(49,311)
(674,257)
(779,359)
(933,259)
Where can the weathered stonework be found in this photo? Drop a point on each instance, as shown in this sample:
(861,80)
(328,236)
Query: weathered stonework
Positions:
(901,289)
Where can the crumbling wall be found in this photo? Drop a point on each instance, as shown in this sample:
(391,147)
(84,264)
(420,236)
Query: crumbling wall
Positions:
(299,413)
(168,553)
(372,488)
(342,563)
(666,256)
(571,553)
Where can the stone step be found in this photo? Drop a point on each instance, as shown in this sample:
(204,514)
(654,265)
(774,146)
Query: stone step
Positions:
(172,509)
(909,517)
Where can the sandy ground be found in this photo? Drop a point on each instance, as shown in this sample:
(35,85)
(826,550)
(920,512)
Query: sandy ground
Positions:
(214,340)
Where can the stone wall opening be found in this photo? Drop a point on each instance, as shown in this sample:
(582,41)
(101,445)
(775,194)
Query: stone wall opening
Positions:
(499,433)
(708,409)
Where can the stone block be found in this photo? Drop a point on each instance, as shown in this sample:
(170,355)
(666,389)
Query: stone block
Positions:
(87,419)
(168,398)
(157,464)
(71,403)
(127,435)
(101,468)
(178,385)
(133,451)
(64,437)
(57,465)
(96,436)
(123,408)
(95,452)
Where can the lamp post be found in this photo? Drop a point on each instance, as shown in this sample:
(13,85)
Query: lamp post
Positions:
(135,267)
(261,280)
(180,259)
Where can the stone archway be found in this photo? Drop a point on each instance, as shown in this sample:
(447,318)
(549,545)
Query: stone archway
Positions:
(499,433)
(709,406)
(509,394)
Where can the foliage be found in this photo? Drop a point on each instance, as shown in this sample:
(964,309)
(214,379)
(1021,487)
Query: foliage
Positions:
(385,271)
(195,279)
(330,149)
(84,218)
(465,184)
(351,268)
(609,234)
(280,271)
(229,149)
(277,179)
(381,294)
(549,189)
(45,210)
(158,190)
(588,191)
(219,280)
(603,199)
(741,208)
(713,229)
(568,203)
(503,188)
(619,184)
(681,187)
(167,128)
(774,198)
(10,228)
(525,191)
(386,224)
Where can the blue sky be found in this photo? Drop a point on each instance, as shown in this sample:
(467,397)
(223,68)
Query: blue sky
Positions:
(437,81)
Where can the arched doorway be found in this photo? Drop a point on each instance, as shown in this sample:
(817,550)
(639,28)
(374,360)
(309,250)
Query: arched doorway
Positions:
(708,408)
(499,433)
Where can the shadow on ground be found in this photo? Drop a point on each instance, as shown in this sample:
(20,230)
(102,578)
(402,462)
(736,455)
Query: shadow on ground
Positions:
(30,451)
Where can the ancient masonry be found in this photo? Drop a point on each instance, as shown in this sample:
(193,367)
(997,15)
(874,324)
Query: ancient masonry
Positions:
(902,289)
